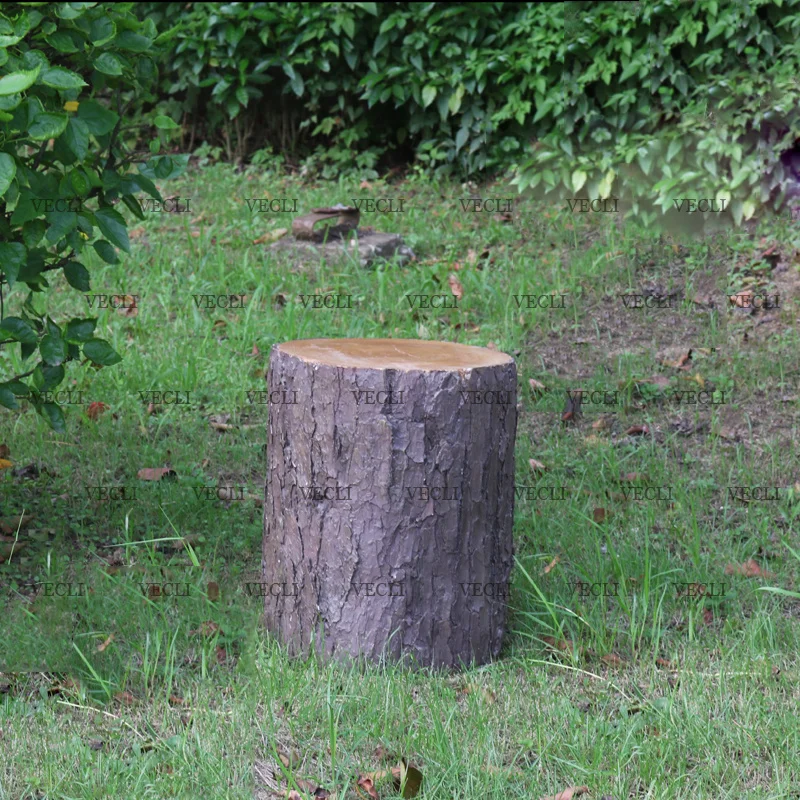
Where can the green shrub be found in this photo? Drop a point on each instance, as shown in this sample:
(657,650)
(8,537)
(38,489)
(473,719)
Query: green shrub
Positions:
(673,99)
(63,168)
(454,84)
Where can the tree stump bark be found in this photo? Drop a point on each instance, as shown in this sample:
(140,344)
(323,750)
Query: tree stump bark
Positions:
(389,499)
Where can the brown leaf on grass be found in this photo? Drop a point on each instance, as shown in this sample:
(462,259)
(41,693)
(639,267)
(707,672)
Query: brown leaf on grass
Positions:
(408,775)
(638,430)
(537,387)
(536,466)
(9,549)
(5,463)
(568,794)
(551,565)
(156,473)
(750,569)
(106,643)
(128,307)
(662,662)
(12,524)
(255,351)
(455,287)
(600,515)
(95,410)
(213,591)
(632,477)
(681,362)
(612,660)
(4,451)
(206,629)
(125,698)
(708,616)
(271,236)
(561,644)
(368,786)
(221,655)
(174,700)
(742,299)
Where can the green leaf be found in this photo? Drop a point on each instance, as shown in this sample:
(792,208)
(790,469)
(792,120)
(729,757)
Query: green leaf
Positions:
(32,232)
(62,79)
(128,40)
(112,226)
(79,330)
(77,276)
(108,64)
(18,329)
(101,352)
(102,31)
(673,149)
(54,416)
(165,123)
(8,169)
(18,81)
(428,95)
(12,257)
(741,175)
(53,350)
(48,126)
(106,251)
(76,138)
(98,120)
(578,179)
(7,398)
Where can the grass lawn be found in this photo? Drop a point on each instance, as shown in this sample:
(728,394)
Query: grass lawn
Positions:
(677,486)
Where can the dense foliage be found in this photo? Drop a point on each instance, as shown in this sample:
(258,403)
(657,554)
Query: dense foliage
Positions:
(69,73)
(673,99)
(462,85)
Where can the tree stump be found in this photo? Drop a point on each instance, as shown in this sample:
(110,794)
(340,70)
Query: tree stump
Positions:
(389,499)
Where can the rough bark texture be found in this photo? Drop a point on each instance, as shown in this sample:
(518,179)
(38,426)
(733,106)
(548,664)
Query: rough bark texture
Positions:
(358,558)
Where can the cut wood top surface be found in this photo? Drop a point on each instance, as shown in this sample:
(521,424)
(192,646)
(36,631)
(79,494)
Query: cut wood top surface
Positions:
(402,354)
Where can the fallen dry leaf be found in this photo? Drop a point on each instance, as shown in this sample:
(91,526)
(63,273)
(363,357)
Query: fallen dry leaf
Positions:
(600,515)
(551,564)
(126,698)
(742,299)
(156,473)
(105,644)
(128,307)
(408,775)
(568,794)
(536,466)
(5,463)
(271,236)
(368,785)
(537,387)
(455,287)
(750,569)
(4,451)
(213,591)
(95,410)
(662,662)
(638,430)
(207,629)
(612,660)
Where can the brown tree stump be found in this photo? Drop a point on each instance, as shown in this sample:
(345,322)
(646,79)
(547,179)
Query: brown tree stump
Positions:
(389,499)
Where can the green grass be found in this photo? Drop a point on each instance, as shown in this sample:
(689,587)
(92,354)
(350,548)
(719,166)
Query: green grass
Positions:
(578,697)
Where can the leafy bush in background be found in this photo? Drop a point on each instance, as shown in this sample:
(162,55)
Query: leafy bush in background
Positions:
(459,86)
(672,99)
(63,168)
